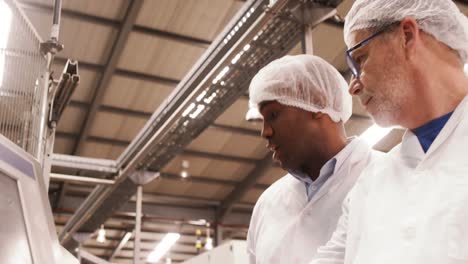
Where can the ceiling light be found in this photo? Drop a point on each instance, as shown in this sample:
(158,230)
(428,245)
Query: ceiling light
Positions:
(184,174)
(209,243)
(185,165)
(209,240)
(466,69)
(127,236)
(163,247)
(374,134)
(101,238)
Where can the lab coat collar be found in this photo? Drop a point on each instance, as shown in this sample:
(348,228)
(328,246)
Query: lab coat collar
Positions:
(411,149)
(350,154)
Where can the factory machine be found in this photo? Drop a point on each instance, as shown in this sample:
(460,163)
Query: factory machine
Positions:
(31,102)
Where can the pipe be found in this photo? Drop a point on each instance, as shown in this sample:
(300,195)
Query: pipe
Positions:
(80,179)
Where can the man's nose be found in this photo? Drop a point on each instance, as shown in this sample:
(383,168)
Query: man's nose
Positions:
(355,86)
(267,131)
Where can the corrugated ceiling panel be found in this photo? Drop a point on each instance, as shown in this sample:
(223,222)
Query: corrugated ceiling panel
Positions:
(216,141)
(252,195)
(113,9)
(63,145)
(188,188)
(271,175)
(246,146)
(235,116)
(155,55)
(344,7)
(328,44)
(227,170)
(94,149)
(71,119)
(82,40)
(357,125)
(116,126)
(296,50)
(202,19)
(86,41)
(135,94)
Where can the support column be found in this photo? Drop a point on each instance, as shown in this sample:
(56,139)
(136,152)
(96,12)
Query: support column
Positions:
(139,199)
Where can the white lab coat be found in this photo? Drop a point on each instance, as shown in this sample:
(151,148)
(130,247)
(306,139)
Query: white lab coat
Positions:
(286,228)
(409,207)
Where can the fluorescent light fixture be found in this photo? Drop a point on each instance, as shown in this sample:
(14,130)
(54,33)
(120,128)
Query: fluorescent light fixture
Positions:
(374,134)
(163,247)
(5,25)
(127,236)
(101,238)
(209,243)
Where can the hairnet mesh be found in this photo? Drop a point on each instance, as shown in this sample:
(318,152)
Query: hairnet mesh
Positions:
(304,81)
(440,18)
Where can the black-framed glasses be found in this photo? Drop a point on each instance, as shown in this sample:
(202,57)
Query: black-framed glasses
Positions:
(352,64)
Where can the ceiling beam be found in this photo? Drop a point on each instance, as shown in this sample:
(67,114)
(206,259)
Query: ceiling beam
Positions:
(117,49)
(67,13)
(228,203)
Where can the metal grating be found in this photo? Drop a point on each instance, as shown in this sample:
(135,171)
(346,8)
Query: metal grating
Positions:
(21,86)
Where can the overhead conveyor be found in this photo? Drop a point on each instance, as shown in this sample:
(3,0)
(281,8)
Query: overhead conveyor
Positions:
(261,32)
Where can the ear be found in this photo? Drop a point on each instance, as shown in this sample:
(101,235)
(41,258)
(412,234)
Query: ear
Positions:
(410,29)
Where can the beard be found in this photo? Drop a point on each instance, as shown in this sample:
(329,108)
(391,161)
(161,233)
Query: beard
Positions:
(386,107)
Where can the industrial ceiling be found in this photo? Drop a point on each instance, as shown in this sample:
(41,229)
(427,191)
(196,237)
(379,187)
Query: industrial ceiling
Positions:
(132,55)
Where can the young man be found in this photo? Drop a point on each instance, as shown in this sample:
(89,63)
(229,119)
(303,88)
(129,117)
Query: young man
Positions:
(304,103)
(411,206)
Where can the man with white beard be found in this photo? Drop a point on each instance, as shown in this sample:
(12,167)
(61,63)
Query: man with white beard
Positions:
(407,59)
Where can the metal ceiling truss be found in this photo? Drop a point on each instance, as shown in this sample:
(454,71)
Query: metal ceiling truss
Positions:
(111,65)
(257,35)
(66,13)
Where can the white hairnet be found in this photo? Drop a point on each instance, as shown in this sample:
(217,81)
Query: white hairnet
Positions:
(440,18)
(304,81)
